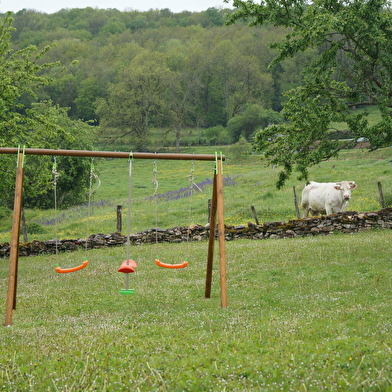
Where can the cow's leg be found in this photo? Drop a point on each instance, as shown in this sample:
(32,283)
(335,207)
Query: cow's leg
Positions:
(328,210)
(313,212)
(305,210)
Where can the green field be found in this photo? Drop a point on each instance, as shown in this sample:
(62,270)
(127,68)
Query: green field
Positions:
(304,314)
(247,182)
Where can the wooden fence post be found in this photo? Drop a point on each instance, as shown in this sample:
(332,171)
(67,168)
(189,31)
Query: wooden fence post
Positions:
(119,219)
(254,214)
(381,195)
(296,203)
(24,227)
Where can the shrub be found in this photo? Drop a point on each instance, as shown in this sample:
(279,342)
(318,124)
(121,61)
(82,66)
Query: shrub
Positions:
(239,149)
(4,212)
(35,228)
(217,135)
(247,122)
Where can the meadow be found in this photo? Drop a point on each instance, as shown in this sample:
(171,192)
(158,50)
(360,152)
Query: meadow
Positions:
(247,181)
(304,314)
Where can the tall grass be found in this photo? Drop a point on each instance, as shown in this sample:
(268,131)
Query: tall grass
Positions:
(304,315)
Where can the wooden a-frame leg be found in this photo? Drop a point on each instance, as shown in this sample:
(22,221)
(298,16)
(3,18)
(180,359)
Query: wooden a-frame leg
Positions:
(217,206)
(14,248)
(221,236)
(211,240)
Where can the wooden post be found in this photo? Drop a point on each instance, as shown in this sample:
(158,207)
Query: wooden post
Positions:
(211,240)
(296,203)
(14,249)
(254,214)
(119,219)
(381,195)
(221,234)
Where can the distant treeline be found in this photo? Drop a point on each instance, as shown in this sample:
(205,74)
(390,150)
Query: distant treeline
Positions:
(132,71)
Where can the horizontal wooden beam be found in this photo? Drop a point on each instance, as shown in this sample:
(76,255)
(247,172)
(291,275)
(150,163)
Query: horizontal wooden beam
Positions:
(114,154)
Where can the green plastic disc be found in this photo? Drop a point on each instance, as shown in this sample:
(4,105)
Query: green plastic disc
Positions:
(127,292)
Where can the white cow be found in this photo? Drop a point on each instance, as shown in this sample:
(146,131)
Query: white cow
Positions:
(326,197)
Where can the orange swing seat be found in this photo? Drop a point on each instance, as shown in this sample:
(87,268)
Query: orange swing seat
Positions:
(65,270)
(165,265)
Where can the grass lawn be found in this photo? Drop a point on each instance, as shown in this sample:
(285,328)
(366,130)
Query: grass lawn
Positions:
(305,314)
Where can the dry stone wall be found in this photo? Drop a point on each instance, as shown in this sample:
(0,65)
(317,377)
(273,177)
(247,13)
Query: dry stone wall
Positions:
(346,222)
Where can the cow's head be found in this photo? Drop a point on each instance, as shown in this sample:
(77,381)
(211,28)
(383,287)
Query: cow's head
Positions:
(345,187)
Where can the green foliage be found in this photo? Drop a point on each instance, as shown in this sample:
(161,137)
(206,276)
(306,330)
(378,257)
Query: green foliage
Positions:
(35,228)
(248,121)
(5,212)
(74,181)
(216,70)
(85,101)
(269,117)
(136,99)
(300,317)
(20,72)
(240,149)
(20,125)
(217,135)
(215,16)
(353,67)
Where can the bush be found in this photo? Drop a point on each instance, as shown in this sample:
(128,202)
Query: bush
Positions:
(239,149)
(35,228)
(217,135)
(252,118)
(268,117)
(5,212)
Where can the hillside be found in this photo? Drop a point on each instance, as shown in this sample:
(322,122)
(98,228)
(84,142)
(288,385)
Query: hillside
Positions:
(226,65)
(247,182)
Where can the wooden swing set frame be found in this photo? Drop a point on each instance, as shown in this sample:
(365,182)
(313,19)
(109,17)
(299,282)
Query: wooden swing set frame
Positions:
(217,209)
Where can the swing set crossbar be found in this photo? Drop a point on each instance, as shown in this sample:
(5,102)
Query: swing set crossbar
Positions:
(113,154)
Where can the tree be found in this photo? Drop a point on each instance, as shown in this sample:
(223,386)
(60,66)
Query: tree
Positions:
(37,126)
(74,179)
(38,178)
(182,90)
(353,68)
(215,17)
(242,79)
(19,76)
(136,99)
(89,90)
